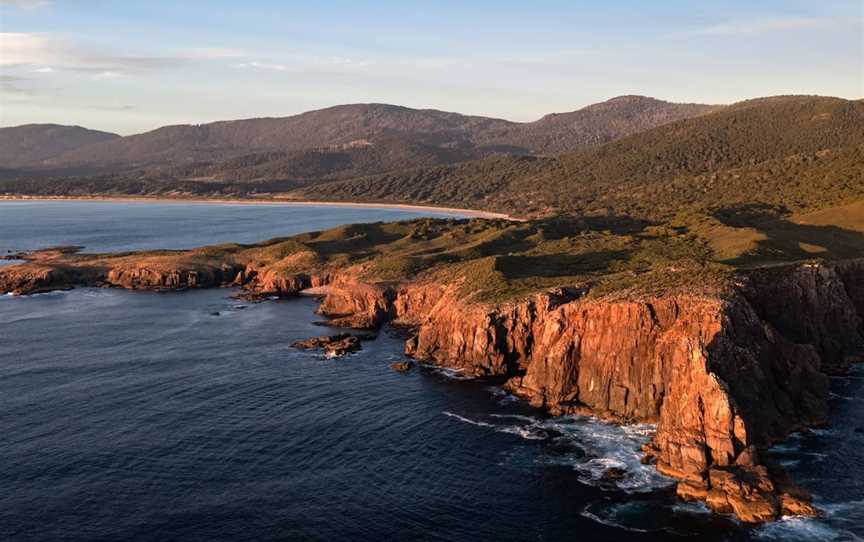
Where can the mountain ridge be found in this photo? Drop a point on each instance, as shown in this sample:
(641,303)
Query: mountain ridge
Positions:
(474,136)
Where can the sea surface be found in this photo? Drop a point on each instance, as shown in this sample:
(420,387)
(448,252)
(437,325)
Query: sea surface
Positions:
(147,416)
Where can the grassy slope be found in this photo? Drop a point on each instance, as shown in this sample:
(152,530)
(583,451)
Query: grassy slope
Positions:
(763,182)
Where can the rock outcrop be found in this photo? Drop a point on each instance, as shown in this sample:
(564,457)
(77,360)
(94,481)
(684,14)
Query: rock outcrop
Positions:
(723,376)
(334,346)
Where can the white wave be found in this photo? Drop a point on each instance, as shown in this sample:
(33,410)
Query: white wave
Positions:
(52,293)
(531,431)
(842,507)
(527,432)
(793,529)
(609,523)
(793,453)
(604,446)
(596,447)
(693,508)
(821,432)
(528,419)
(447,372)
(502,396)
(466,420)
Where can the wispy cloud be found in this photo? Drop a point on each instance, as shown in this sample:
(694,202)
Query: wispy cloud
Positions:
(11,84)
(101,76)
(50,52)
(34,49)
(110,107)
(213,53)
(758,26)
(26,4)
(255,65)
(304,63)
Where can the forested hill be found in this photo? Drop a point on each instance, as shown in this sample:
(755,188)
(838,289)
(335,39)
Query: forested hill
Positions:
(374,138)
(802,152)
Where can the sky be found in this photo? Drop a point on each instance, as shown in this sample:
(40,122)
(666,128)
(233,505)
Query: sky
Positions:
(131,66)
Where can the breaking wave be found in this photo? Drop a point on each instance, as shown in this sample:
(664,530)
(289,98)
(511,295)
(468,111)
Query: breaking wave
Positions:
(794,529)
(603,454)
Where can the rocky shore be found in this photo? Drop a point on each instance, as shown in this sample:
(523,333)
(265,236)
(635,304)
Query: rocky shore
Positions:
(723,376)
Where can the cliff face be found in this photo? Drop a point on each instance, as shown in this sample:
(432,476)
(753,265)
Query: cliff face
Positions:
(723,377)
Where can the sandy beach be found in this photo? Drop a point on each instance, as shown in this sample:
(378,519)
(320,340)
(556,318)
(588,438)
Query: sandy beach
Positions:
(468,213)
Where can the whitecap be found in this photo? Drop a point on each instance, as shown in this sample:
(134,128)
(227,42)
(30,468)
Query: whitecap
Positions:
(603,446)
(793,528)
(528,419)
(447,372)
(609,523)
(591,448)
(842,511)
(533,430)
(467,420)
(692,508)
(502,396)
(52,293)
(528,432)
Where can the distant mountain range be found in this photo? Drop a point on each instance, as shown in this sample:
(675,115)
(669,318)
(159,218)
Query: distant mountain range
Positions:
(799,152)
(338,142)
(630,156)
(33,144)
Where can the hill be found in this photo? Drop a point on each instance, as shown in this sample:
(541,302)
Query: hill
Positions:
(803,152)
(31,144)
(453,137)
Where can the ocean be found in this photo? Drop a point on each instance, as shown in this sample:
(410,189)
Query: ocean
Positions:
(148,416)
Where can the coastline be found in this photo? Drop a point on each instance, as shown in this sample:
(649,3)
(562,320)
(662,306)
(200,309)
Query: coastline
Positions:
(466,213)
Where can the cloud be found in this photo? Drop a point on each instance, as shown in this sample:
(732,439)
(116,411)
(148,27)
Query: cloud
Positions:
(211,53)
(26,4)
(261,66)
(107,75)
(758,26)
(110,107)
(33,49)
(11,84)
(305,63)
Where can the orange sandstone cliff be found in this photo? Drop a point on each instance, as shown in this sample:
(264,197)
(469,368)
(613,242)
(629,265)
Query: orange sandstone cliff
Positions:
(723,376)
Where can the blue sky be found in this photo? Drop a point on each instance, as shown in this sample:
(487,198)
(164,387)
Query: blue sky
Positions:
(130,66)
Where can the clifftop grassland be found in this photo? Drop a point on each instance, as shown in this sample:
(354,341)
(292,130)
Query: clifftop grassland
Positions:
(497,260)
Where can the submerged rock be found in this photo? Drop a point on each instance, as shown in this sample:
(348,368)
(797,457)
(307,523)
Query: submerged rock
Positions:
(402,366)
(334,346)
(614,474)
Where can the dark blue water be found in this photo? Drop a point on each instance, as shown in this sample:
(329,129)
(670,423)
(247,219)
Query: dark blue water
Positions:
(120,226)
(143,416)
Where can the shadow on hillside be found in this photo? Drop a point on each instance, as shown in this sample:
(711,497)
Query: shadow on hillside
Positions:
(785,240)
(558,265)
(565,226)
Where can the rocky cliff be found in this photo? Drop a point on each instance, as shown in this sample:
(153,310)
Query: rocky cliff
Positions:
(723,376)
